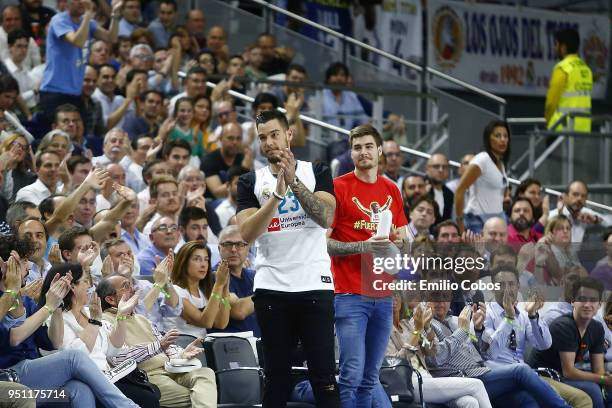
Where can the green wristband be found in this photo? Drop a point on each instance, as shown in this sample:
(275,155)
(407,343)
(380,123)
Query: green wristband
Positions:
(162,289)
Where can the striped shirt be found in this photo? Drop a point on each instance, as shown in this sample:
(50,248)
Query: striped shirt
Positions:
(457,355)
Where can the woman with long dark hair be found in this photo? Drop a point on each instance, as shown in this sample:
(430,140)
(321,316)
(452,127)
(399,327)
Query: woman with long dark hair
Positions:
(16,172)
(85,330)
(486,178)
(206,303)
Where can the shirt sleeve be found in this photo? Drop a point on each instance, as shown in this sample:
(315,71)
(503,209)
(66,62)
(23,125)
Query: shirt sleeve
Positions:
(556,86)
(62,26)
(324,181)
(599,338)
(246,192)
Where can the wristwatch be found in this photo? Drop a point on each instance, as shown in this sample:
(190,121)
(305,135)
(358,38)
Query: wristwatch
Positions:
(95,322)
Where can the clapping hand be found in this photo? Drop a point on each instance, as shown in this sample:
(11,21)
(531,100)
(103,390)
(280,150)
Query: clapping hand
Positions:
(55,255)
(95,307)
(127,304)
(535,302)
(479,312)
(32,289)
(193,349)
(60,286)
(86,256)
(169,339)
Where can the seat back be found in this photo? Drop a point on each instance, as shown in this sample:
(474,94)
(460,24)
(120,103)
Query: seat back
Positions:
(224,353)
(396,379)
(239,386)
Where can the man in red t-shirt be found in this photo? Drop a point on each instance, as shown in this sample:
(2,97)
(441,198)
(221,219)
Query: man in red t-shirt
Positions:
(363,305)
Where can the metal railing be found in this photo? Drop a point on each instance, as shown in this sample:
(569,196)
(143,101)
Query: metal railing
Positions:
(413,152)
(350,40)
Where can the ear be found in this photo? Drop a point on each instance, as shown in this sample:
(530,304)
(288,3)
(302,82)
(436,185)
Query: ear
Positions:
(290,135)
(66,255)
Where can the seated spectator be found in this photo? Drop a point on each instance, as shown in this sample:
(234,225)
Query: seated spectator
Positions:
(574,335)
(457,355)
(511,331)
(216,164)
(106,197)
(78,168)
(532,190)
(68,118)
(165,196)
(454,183)
(605,314)
(216,41)
(18,41)
(255,59)
(114,107)
(603,270)
(413,339)
(202,115)
(163,25)
(129,232)
(227,208)
(195,86)
(412,186)
(462,297)
(163,237)
(133,174)
(12,21)
(57,141)
(34,230)
(194,226)
(208,62)
(23,333)
(9,92)
(205,304)
(152,169)
(182,130)
(437,174)
(422,217)
(196,21)
(275,59)
(393,166)
(14,164)
(18,212)
(92,109)
(147,120)
(195,186)
(143,36)
(341,108)
(48,183)
(84,330)
(130,17)
(100,54)
(177,155)
(196,388)
(523,228)
(116,146)
(580,218)
(234,250)
(157,300)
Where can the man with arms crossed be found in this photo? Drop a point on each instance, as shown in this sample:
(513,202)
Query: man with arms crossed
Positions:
(363,314)
(286,208)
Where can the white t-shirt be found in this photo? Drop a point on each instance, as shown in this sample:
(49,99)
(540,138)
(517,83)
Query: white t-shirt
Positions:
(439,197)
(487,192)
(179,323)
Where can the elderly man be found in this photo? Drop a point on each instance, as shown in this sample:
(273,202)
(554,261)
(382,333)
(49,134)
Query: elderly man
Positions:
(393,166)
(164,237)
(157,299)
(116,146)
(196,388)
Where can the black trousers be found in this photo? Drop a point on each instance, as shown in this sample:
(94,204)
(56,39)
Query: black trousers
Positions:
(285,318)
(50,101)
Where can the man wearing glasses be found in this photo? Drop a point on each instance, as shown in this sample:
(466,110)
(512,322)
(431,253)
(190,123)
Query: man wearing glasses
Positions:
(510,330)
(573,336)
(164,236)
(234,249)
(195,85)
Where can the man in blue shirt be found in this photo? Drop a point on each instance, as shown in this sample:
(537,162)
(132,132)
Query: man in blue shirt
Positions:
(162,26)
(164,236)
(68,41)
(234,249)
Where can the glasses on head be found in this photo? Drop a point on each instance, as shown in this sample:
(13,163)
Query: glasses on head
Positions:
(512,343)
(230,244)
(166,228)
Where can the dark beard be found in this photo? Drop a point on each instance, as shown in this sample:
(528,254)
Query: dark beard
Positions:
(521,224)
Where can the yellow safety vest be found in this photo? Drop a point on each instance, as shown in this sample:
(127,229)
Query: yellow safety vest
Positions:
(577,94)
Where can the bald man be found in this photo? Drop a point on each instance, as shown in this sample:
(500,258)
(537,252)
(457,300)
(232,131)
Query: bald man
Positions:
(216,164)
(437,174)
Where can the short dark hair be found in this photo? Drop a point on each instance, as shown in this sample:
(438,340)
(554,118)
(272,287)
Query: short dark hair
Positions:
(74,161)
(607,234)
(37,220)
(104,288)
(235,171)
(567,188)
(76,271)
(334,69)
(427,199)
(134,142)
(231,57)
(145,94)
(296,67)
(502,249)
(39,157)
(586,282)
(17,212)
(130,75)
(519,199)
(48,205)
(525,184)
(107,65)
(486,136)
(15,35)
(365,130)
(267,116)
(67,238)
(196,70)
(178,102)
(65,108)
(175,143)
(147,169)
(170,2)
(8,84)
(504,268)
(10,242)
(265,97)
(570,38)
(154,186)
(191,213)
(445,223)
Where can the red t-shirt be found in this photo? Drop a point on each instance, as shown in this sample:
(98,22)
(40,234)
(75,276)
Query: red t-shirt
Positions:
(353,221)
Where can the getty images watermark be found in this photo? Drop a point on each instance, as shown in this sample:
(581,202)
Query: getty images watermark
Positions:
(434,268)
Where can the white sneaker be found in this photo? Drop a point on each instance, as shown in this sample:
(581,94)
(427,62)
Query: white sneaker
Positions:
(118,372)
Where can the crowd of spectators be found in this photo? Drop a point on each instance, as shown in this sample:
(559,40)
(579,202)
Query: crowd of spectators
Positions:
(117,211)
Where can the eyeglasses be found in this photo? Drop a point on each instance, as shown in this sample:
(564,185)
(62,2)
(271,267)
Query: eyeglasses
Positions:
(230,244)
(221,114)
(166,228)
(144,57)
(439,166)
(20,145)
(392,154)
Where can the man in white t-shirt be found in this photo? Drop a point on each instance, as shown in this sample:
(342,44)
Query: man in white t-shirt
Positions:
(286,209)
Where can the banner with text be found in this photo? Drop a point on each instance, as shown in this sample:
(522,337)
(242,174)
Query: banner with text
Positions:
(510,50)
